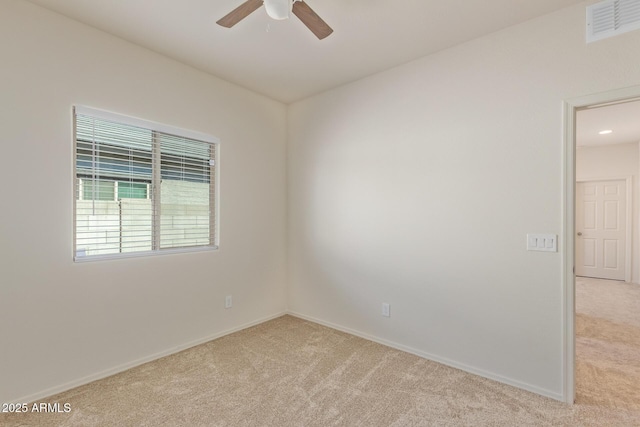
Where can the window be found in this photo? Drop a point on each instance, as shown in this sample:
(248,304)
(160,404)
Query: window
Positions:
(141,187)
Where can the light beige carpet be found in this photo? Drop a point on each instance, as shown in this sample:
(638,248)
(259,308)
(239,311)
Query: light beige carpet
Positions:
(608,344)
(290,372)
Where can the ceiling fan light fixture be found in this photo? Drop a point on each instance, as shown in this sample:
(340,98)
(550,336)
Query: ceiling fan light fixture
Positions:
(278,9)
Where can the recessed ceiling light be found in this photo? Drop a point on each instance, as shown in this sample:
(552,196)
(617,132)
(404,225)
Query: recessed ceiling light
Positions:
(605,132)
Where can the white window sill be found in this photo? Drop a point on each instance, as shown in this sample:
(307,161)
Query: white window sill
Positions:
(91,258)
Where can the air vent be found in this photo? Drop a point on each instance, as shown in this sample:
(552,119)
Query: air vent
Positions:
(612,17)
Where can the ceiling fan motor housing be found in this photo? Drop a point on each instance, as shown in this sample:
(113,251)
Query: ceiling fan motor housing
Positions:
(278,9)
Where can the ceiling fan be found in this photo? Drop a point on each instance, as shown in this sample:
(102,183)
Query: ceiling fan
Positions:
(279,9)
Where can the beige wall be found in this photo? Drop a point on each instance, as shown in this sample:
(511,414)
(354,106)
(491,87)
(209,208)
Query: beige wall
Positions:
(417,187)
(616,161)
(64,323)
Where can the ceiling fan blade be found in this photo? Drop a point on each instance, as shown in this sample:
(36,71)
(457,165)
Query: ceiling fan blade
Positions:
(311,20)
(239,13)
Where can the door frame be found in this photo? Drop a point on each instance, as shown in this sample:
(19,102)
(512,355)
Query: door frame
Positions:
(570,107)
(628,179)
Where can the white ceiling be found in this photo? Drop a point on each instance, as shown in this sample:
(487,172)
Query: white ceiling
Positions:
(623,119)
(283,59)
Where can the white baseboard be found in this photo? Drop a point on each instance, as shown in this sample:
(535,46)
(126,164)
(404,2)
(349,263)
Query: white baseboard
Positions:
(429,356)
(125,366)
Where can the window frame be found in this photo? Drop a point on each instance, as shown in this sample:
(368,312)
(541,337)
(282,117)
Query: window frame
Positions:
(165,129)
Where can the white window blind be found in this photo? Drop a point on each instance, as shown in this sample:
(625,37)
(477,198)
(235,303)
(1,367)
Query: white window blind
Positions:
(141,187)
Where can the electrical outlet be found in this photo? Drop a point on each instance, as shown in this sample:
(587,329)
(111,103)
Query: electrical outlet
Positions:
(386,309)
(228,301)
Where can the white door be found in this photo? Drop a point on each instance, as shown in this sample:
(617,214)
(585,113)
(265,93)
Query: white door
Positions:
(601,229)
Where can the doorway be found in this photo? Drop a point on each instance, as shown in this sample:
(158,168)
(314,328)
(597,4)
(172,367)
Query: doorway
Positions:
(587,250)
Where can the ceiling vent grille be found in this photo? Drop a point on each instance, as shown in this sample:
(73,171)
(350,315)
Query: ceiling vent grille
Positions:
(612,17)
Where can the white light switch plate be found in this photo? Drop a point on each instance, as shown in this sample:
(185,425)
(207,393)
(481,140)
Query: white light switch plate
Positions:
(542,242)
